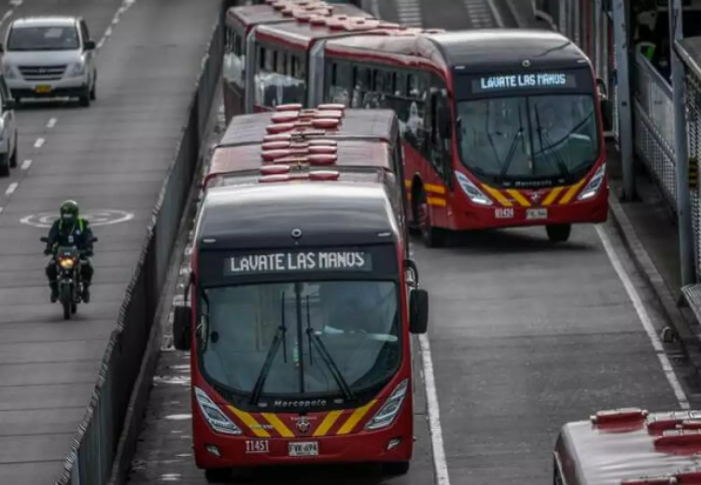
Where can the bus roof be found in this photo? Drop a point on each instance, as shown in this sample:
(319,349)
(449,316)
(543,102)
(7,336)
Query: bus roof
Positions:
(251,15)
(481,49)
(631,444)
(497,49)
(355,124)
(328,214)
(350,154)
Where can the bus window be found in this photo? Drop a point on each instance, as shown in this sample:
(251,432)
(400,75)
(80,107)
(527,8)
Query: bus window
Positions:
(338,82)
(361,85)
(438,139)
(234,58)
(279,79)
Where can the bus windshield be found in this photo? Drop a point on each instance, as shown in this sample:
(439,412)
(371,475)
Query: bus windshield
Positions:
(520,138)
(307,339)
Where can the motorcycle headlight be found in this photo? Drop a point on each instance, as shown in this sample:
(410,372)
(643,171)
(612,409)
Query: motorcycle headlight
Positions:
(385,416)
(592,188)
(471,190)
(215,416)
(78,69)
(66,263)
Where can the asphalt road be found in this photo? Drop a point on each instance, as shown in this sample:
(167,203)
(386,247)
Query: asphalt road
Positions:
(110,156)
(524,336)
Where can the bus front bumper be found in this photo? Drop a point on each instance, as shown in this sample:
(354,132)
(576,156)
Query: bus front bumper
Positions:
(217,451)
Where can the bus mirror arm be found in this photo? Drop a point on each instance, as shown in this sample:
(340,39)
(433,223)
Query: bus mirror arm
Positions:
(601,90)
(412,273)
(418,311)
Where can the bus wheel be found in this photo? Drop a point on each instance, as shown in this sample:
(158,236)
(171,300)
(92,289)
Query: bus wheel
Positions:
(217,475)
(432,236)
(559,232)
(396,468)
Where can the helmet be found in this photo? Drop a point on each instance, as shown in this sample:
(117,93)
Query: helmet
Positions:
(69,210)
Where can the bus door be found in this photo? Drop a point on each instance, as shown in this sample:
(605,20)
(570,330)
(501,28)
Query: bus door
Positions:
(438,147)
(277,74)
(233,70)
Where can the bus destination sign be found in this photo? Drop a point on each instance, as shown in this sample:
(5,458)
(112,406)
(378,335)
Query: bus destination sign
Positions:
(286,262)
(524,81)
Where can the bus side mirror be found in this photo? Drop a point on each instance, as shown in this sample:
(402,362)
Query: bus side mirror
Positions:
(601,89)
(604,104)
(418,311)
(182,318)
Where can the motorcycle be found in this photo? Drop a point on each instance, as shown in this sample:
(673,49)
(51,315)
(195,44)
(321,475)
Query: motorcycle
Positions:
(70,287)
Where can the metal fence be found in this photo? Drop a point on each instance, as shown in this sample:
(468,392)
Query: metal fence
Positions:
(93,449)
(653,114)
(693,110)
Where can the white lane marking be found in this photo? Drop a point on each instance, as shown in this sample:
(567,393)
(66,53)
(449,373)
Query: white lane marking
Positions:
(13,186)
(16,3)
(7,15)
(51,123)
(1,208)
(39,143)
(126,4)
(26,164)
(409,13)
(644,319)
(496,13)
(375,8)
(434,421)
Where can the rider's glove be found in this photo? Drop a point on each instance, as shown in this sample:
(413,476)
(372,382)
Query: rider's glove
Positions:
(47,251)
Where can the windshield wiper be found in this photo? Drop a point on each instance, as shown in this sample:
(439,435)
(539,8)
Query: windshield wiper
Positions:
(558,158)
(314,340)
(512,147)
(278,339)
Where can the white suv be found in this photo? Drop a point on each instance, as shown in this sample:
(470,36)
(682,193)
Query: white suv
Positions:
(49,57)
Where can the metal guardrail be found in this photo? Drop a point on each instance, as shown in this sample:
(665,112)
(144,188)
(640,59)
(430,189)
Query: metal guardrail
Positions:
(653,111)
(94,446)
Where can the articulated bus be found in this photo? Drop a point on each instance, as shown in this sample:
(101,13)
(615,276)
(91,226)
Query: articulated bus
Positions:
(300,307)
(501,128)
(629,446)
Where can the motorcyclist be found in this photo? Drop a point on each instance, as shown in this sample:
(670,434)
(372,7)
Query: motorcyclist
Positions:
(70,230)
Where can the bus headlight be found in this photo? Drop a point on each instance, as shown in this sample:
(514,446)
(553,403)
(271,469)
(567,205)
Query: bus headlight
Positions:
(594,184)
(214,416)
(385,416)
(471,190)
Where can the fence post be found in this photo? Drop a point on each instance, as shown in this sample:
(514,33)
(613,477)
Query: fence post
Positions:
(625,120)
(686,234)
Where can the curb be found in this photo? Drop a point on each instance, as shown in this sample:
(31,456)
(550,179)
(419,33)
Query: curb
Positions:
(680,324)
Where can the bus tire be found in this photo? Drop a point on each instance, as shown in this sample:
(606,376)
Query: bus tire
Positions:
(432,237)
(559,232)
(217,475)
(396,468)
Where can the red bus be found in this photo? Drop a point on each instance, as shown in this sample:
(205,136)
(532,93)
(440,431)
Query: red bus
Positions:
(300,307)
(629,447)
(482,145)
(241,22)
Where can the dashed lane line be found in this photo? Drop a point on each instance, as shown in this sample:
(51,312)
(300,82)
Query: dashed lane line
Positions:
(26,164)
(12,187)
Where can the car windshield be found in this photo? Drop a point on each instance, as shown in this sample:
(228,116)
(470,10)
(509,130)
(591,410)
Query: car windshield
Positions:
(327,338)
(529,137)
(43,39)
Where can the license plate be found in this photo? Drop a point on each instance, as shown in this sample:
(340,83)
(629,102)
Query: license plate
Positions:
(303,448)
(504,213)
(536,213)
(42,88)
